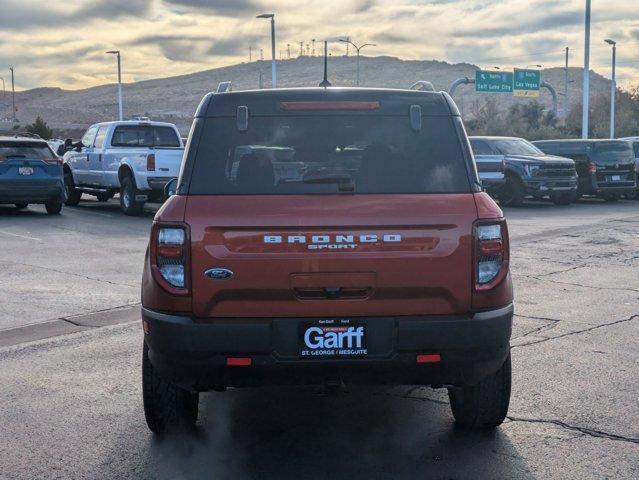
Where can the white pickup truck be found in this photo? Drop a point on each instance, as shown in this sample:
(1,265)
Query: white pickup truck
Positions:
(134,158)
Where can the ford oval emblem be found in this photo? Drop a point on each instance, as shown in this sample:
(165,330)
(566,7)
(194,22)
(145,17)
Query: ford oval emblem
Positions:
(218,273)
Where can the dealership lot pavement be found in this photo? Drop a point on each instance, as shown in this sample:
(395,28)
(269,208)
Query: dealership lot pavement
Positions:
(70,343)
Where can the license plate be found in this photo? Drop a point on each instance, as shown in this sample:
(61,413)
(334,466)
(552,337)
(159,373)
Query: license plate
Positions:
(25,171)
(615,178)
(335,338)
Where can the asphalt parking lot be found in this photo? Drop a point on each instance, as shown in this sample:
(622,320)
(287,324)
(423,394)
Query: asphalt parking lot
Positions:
(70,351)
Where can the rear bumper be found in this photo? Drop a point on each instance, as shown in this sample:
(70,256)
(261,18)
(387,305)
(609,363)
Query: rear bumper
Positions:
(32,191)
(158,183)
(193,352)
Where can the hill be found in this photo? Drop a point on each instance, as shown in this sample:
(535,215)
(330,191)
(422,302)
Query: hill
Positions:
(175,98)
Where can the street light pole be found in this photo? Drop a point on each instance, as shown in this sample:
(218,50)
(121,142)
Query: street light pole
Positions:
(613,86)
(13,96)
(586,83)
(117,53)
(357,49)
(273,59)
(566,86)
(4,91)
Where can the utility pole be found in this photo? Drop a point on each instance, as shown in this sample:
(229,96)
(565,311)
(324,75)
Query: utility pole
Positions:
(613,87)
(566,86)
(250,54)
(273,58)
(348,39)
(288,51)
(357,49)
(586,82)
(313,50)
(4,92)
(13,96)
(261,54)
(301,49)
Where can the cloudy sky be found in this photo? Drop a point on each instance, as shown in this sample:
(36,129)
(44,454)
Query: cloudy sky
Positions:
(62,43)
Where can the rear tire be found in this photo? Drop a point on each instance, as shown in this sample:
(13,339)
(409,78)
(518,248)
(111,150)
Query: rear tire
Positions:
(53,208)
(127,197)
(73,194)
(484,405)
(563,198)
(20,206)
(512,193)
(166,406)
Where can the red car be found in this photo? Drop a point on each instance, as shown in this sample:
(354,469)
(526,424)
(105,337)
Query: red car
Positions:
(373,258)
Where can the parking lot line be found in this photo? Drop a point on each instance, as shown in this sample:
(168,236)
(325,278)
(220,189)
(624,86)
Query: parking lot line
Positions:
(20,236)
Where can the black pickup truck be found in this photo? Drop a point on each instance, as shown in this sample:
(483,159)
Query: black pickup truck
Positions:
(529,171)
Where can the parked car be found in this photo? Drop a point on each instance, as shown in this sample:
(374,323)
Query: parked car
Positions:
(30,172)
(606,168)
(634,141)
(392,268)
(529,171)
(135,158)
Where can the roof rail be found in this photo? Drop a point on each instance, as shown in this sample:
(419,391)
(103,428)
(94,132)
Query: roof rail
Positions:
(423,85)
(20,134)
(224,87)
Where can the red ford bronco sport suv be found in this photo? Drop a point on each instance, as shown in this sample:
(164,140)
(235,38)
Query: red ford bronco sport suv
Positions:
(327,235)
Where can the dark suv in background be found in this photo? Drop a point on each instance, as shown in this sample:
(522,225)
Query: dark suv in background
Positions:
(529,171)
(606,168)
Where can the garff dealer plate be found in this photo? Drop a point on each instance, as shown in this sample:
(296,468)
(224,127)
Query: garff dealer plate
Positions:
(333,338)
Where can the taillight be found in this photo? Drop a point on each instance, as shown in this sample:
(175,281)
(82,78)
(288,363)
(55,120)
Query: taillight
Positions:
(53,161)
(169,255)
(592,168)
(150,162)
(491,254)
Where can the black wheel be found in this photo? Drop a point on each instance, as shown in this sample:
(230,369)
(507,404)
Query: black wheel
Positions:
(73,194)
(166,406)
(103,196)
(512,193)
(611,197)
(562,198)
(20,206)
(53,208)
(127,197)
(484,405)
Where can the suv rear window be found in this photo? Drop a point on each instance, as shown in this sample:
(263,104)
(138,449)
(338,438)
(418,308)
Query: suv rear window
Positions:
(30,150)
(144,136)
(328,154)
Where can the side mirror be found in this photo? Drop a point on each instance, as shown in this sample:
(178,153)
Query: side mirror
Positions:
(170,188)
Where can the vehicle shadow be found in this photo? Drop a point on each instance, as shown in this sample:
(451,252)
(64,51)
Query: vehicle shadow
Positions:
(112,207)
(361,434)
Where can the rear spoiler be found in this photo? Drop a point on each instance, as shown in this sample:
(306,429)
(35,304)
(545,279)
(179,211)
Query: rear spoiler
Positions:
(224,87)
(423,85)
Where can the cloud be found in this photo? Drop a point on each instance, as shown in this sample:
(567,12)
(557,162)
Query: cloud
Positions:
(27,15)
(548,22)
(114,9)
(222,7)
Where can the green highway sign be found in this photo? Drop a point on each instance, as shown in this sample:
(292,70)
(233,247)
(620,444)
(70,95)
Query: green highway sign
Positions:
(526,83)
(498,82)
